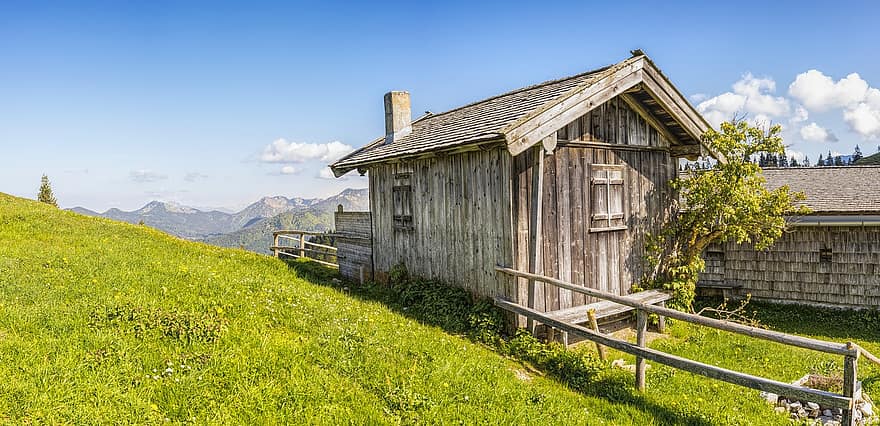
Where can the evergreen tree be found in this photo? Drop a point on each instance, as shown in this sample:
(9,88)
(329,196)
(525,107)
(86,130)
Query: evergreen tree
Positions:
(806,161)
(45,195)
(762,161)
(783,161)
(829,160)
(821,162)
(857,154)
(838,161)
(793,162)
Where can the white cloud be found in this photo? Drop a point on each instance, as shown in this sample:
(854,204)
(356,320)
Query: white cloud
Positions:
(282,151)
(864,119)
(819,92)
(698,97)
(800,115)
(146,176)
(816,133)
(288,170)
(751,95)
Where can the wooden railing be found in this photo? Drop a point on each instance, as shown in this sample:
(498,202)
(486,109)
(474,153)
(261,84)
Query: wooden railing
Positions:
(850,351)
(301,247)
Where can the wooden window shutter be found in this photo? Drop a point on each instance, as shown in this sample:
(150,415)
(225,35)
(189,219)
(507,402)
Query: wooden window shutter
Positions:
(403,200)
(607,187)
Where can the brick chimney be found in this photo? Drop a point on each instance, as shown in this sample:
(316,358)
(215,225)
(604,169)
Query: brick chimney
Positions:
(398,116)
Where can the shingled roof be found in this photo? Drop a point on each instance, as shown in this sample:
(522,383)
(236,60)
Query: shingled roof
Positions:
(502,117)
(832,190)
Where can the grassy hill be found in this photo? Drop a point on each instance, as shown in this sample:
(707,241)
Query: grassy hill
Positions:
(106,322)
(871,160)
(103,321)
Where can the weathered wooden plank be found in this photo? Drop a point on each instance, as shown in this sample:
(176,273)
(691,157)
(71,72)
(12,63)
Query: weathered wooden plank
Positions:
(564,224)
(551,235)
(711,371)
(787,339)
(536,203)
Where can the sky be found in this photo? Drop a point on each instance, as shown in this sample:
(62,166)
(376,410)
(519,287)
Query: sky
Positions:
(217,104)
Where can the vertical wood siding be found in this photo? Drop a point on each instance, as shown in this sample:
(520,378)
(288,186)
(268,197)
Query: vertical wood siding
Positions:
(607,260)
(461,225)
(355,250)
(791,270)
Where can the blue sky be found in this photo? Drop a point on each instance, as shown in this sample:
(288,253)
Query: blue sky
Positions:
(124,102)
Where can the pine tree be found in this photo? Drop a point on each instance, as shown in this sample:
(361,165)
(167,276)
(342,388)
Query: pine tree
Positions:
(829,160)
(838,161)
(821,162)
(793,162)
(45,195)
(857,154)
(806,161)
(783,161)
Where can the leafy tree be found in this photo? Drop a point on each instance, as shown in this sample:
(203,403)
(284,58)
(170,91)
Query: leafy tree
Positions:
(45,195)
(857,154)
(727,202)
(838,161)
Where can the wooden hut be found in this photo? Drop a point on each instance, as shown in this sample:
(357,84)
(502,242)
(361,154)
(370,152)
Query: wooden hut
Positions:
(563,178)
(830,257)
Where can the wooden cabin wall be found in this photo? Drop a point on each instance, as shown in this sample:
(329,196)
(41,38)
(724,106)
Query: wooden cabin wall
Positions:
(792,270)
(608,260)
(461,224)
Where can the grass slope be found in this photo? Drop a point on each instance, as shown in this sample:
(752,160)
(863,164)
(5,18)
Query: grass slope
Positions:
(102,322)
(105,322)
(871,160)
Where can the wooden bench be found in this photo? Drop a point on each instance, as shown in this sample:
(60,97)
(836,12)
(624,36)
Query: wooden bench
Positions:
(726,288)
(606,308)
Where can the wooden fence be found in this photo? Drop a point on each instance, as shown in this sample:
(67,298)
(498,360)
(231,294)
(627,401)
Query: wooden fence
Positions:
(301,247)
(850,351)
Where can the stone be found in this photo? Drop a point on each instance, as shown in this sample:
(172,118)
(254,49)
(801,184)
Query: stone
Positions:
(780,410)
(866,409)
(794,406)
(827,413)
(770,397)
(812,406)
(802,413)
(815,413)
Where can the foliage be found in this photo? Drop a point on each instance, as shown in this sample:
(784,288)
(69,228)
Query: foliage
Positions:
(103,322)
(45,195)
(725,202)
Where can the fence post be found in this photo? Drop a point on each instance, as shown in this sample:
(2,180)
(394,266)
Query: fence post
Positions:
(275,244)
(591,315)
(302,245)
(641,341)
(850,381)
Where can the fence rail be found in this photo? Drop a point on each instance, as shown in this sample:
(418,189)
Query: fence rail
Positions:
(850,351)
(302,247)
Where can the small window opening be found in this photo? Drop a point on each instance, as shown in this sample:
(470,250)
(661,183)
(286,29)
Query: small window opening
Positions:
(402,197)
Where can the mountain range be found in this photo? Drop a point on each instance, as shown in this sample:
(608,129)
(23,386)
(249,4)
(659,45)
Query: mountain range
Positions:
(250,228)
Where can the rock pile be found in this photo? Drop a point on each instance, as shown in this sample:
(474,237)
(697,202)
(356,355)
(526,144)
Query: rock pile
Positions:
(827,416)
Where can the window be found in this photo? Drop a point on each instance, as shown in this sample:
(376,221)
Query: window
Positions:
(402,200)
(825,255)
(607,213)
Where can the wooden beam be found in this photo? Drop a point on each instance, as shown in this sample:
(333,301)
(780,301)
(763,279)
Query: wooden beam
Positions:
(535,225)
(711,371)
(760,333)
(613,146)
(641,340)
(560,114)
(850,382)
(686,151)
